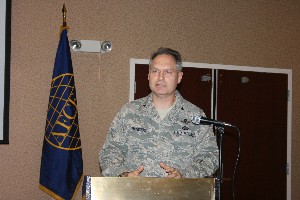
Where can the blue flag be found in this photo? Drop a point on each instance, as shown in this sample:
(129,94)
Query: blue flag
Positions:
(61,164)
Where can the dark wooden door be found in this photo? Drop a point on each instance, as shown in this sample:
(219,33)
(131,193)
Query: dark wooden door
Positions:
(196,87)
(257,104)
(141,81)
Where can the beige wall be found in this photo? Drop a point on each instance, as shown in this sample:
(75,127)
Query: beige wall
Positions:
(249,33)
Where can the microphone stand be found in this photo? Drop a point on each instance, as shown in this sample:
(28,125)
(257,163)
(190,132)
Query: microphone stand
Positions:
(220,174)
(220,127)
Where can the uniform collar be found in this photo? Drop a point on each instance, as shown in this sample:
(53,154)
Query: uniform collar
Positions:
(147,105)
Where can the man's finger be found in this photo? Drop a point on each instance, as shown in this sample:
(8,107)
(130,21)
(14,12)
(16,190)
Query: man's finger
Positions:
(140,169)
(136,172)
(164,166)
(167,168)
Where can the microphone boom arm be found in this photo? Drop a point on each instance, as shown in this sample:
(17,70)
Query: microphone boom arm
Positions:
(203,120)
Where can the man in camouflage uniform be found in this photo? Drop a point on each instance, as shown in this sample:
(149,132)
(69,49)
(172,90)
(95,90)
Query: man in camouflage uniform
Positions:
(154,136)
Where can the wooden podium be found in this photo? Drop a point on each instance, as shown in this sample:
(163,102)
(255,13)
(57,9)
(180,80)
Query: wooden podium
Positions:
(117,188)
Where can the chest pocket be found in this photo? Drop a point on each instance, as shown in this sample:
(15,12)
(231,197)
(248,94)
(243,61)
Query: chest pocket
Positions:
(183,137)
(139,138)
(137,133)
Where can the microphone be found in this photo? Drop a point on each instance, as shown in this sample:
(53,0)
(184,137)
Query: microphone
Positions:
(206,121)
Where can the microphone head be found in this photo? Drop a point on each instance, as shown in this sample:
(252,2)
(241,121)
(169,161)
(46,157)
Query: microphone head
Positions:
(196,119)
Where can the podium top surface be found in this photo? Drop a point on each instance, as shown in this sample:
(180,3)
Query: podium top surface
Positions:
(117,188)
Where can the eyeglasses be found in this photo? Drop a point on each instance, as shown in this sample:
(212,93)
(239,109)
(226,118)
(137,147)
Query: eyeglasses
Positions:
(156,72)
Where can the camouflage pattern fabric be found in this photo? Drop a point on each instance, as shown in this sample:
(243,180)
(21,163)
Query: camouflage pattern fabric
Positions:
(138,136)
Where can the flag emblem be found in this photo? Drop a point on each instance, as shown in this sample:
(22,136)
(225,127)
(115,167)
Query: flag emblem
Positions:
(62,130)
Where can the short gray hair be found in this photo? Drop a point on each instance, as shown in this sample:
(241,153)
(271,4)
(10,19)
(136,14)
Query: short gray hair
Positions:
(167,51)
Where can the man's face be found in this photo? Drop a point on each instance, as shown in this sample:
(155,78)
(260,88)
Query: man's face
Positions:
(163,76)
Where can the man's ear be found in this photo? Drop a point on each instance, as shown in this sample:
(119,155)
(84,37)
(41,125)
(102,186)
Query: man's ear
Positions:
(180,74)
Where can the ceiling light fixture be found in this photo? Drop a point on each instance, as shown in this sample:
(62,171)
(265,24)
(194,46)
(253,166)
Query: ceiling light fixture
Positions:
(91,46)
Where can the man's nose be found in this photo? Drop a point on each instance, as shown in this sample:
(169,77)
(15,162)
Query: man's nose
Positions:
(161,75)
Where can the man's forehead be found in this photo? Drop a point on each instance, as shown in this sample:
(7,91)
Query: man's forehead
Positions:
(164,61)
(164,57)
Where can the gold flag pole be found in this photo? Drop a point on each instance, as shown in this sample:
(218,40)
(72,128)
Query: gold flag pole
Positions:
(64,11)
(64,26)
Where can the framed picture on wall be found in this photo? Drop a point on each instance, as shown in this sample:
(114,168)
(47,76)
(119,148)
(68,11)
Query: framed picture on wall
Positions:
(5,42)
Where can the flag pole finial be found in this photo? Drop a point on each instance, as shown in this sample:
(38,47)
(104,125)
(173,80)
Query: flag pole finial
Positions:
(64,25)
(64,11)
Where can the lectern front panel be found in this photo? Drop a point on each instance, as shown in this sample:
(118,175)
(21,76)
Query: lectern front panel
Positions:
(117,188)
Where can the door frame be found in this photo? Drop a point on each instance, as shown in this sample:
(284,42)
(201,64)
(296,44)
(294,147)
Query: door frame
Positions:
(134,61)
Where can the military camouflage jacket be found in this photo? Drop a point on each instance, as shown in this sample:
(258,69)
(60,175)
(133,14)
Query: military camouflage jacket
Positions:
(138,136)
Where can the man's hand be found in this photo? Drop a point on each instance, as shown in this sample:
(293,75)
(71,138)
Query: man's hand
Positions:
(136,172)
(172,172)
